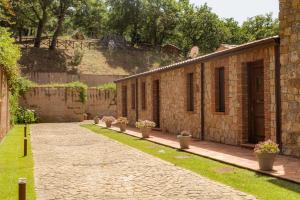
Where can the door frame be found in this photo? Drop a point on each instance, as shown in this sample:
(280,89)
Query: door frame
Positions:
(251,135)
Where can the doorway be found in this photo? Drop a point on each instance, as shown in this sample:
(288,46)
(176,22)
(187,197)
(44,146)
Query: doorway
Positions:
(256,102)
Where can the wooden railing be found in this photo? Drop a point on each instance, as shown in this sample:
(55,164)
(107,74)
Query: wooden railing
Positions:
(61,43)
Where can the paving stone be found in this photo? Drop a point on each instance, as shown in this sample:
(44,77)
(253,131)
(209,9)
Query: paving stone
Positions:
(73,163)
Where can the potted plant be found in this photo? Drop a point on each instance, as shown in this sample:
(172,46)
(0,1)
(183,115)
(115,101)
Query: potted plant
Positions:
(184,139)
(96,120)
(265,153)
(145,127)
(108,120)
(122,121)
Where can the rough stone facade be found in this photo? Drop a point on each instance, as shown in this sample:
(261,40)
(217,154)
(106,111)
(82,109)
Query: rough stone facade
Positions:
(290,75)
(60,77)
(229,127)
(64,105)
(173,115)
(4,105)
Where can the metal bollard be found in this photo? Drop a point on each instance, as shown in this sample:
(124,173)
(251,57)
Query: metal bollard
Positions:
(22,188)
(25,147)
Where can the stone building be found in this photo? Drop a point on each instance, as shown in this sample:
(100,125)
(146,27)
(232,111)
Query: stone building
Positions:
(238,96)
(4,105)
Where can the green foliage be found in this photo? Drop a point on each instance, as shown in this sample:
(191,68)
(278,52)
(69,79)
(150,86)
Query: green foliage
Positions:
(26,116)
(260,27)
(261,186)
(21,85)
(78,55)
(81,87)
(108,86)
(9,55)
(13,165)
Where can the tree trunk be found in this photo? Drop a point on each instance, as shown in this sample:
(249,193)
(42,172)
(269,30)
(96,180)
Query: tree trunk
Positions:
(57,31)
(40,29)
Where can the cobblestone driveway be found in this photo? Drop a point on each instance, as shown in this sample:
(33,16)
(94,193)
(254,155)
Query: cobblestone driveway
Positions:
(74,163)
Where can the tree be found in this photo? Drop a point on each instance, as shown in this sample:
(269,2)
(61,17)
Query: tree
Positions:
(201,27)
(261,26)
(233,32)
(61,10)
(91,11)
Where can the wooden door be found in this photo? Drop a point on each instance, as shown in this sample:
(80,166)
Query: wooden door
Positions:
(156,102)
(124,101)
(256,102)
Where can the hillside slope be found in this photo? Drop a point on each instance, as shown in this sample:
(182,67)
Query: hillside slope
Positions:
(97,61)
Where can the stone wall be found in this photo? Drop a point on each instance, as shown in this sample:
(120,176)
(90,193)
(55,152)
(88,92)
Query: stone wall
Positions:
(64,105)
(174,116)
(57,77)
(229,127)
(4,105)
(290,75)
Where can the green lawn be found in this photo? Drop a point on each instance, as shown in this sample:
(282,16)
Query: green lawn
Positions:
(261,186)
(14,166)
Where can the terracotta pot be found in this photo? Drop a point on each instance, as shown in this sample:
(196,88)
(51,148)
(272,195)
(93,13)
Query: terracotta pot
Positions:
(184,141)
(108,124)
(146,132)
(266,161)
(123,127)
(96,120)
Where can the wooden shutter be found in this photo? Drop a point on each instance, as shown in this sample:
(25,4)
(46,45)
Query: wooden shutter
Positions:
(220,89)
(133,96)
(124,101)
(190,91)
(143,92)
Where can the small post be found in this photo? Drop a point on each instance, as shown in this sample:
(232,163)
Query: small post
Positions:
(22,188)
(25,147)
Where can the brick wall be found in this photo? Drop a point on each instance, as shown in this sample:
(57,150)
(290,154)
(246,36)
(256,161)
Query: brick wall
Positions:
(4,105)
(290,75)
(56,77)
(64,105)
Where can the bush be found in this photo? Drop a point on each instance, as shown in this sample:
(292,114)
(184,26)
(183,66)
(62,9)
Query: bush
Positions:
(108,86)
(26,116)
(78,55)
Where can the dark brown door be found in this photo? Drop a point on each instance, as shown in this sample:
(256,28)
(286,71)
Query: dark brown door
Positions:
(256,102)
(124,101)
(156,103)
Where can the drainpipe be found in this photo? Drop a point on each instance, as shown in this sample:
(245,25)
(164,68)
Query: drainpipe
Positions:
(278,94)
(136,100)
(202,96)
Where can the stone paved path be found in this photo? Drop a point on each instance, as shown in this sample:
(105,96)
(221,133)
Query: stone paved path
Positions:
(74,163)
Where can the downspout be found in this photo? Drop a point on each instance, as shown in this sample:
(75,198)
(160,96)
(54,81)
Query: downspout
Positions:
(136,100)
(202,101)
(278,94)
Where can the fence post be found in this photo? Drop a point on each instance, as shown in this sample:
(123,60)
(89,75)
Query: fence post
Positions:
(22,188)
(25,147)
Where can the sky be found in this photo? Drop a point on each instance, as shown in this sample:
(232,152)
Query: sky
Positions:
(240,10)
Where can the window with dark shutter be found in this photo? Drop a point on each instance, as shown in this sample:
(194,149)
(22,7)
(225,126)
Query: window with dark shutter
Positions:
(220,89)
(133,98)
(190,91)
(124,101)
(143,92)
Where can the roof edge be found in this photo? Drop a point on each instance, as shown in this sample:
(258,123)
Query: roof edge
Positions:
(275,39)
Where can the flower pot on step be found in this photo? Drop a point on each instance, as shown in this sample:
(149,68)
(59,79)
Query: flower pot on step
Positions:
(123,127)
(184,141)
(266,161)
(96,120)
(108,124)
(146,132)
